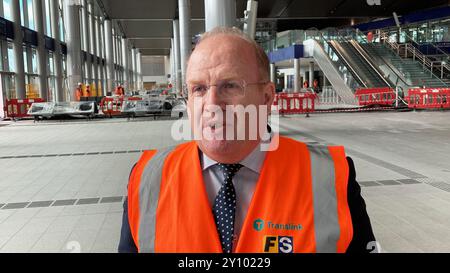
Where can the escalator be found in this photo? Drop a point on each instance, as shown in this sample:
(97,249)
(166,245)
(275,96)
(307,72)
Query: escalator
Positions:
(362,68)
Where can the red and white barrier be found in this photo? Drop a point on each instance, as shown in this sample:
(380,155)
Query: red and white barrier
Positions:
(428,98)
(375,96)
(18,108)
(294,103)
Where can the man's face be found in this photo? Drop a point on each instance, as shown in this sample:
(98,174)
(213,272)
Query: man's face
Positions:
(222,60)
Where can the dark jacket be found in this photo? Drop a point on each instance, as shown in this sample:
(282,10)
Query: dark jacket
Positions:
(362,229)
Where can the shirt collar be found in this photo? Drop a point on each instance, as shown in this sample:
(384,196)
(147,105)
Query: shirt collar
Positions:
(253,161)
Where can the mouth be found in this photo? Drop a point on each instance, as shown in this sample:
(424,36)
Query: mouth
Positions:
(215,126)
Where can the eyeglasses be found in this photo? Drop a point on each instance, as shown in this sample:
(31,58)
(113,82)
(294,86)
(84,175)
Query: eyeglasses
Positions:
(225,88)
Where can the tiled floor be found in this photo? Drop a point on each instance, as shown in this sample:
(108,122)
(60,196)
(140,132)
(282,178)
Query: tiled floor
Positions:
(62,183)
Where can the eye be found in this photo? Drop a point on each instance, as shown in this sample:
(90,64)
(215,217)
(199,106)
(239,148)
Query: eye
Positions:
(230,85)
(198,89)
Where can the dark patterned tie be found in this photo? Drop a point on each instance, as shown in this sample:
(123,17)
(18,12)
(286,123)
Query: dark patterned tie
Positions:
(225,206)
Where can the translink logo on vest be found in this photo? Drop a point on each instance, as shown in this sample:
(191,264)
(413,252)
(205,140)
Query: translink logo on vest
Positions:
(259,225)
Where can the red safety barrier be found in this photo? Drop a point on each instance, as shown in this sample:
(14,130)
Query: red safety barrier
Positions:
(112,106)
(429,98)
(294,103)
(375,96)
(17,108)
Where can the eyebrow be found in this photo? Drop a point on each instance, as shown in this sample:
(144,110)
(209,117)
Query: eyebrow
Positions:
(225,78)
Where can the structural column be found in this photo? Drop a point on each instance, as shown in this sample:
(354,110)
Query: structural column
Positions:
(273,73)
(135,81)
(54,19)
(73,38)
(311,74)
(98,34)
(41,51)
(93,44)
(297,75)
(325,80)
(139,69)
(86,41)
(109,56)
(219,13)
(173,70)
(176,42)
(125,62)
(184,7)
(18,51)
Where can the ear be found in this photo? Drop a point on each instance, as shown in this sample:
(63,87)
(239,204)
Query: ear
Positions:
(269,94)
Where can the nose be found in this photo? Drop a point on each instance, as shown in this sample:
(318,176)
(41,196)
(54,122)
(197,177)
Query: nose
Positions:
(213,97)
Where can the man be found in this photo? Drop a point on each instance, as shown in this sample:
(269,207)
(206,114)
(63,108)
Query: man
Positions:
(119,90)
(79,92)
(217,194)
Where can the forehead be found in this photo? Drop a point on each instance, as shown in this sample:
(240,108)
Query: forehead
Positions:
(222,56)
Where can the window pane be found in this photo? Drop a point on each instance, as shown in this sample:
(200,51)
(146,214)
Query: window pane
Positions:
(25,60)
(1,56)
(11,62)
(50,64)
(48,28)
(30,14)
(34,61)
(22,21)
(7,10)
(9,82)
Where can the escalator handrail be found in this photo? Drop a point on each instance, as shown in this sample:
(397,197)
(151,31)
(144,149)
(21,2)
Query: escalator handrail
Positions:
(323,40)
(394,69)
(367,59)
(347,64)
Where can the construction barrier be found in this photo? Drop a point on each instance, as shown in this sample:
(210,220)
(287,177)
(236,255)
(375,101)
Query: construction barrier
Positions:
(294,103)
(375,96)
(17,108)
(428,98)
(112,106)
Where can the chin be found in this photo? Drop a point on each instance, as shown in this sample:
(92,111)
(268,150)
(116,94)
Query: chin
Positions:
(219,147)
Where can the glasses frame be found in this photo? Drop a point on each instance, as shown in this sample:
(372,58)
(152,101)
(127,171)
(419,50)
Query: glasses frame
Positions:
(244,84)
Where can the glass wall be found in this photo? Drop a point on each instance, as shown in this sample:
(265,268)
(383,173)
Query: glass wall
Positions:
(51,79)
(31,58)
(26,14)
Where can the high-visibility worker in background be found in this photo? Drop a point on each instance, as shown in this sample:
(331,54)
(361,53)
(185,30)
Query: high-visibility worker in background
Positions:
(315,84)
(119,90)
(370,36)
(87,91)
(305,84)
(218,193)
(79,92)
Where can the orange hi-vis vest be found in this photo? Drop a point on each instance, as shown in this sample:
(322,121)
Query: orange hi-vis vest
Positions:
(299,204)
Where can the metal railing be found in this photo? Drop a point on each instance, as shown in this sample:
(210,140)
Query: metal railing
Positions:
(328,96)
(407,50)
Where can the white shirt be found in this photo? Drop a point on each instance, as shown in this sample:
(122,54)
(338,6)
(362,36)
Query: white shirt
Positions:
(244,182)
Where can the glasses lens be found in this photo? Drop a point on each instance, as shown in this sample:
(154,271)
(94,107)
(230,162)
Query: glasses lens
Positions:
(231,88)
(197,90)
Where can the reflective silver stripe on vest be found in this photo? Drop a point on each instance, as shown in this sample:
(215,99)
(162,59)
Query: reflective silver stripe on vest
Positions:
(326,225)
(148,199)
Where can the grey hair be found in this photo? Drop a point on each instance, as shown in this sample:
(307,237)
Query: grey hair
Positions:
(261,56)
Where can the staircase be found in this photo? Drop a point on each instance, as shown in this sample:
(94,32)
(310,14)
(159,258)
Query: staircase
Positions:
(413,71)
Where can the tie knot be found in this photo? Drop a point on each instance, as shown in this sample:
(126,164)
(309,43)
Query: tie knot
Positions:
(229,170)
